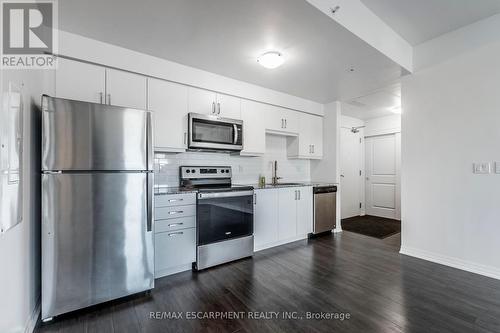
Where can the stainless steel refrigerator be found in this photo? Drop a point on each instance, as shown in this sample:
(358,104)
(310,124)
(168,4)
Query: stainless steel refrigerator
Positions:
(97,199)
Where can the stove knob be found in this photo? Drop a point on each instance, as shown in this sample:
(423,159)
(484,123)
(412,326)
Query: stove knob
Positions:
(193,171)
(188,171)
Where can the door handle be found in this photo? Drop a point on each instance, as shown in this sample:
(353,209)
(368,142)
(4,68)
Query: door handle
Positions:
(342,176)
(255,198)
(149,198)
(235,128)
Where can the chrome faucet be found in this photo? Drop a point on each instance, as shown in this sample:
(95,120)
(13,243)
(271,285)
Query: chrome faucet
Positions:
(275,173)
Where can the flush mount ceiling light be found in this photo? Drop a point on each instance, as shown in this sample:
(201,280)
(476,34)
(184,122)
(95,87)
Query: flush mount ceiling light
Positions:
(271,59)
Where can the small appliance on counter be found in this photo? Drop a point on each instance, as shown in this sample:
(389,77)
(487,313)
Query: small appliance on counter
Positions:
(325,209)
(224,217)
(213,133)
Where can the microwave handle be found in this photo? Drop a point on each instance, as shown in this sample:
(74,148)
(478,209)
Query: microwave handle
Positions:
(235,127)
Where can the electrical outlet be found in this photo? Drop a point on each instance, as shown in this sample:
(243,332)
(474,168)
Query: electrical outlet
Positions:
(482,168)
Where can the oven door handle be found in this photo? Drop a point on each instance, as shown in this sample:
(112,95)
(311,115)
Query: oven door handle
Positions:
(202,196)
(235,128)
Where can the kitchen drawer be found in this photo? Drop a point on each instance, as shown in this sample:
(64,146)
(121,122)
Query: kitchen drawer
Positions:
(175,224)
(163,213)
(168,200)
(174,251)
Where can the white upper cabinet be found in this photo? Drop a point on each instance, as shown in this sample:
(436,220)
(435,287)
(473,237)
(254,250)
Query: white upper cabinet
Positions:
(80,81)
(125,89)
(169,102)
(228,106)
(96,84)
(282,120)
(309,143)
(202,101)
(253,115)
(208,102)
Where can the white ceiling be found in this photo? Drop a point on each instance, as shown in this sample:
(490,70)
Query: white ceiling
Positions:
(376,104)
(421,20)
(226,36)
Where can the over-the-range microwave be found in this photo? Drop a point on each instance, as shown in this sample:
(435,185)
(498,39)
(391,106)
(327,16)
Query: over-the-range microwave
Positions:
(210,132)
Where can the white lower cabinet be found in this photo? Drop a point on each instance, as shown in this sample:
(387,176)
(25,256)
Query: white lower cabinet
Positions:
(175,233)
(305,213)
(265,229)
(287,212)
(282,215)
(174,251)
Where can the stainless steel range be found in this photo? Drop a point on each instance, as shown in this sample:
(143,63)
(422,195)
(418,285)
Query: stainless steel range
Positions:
(224,217)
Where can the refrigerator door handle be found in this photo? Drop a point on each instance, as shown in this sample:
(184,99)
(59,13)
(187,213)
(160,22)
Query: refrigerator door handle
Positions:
(149,198)
(149,140)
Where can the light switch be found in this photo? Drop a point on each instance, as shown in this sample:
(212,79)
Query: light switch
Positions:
(482,168)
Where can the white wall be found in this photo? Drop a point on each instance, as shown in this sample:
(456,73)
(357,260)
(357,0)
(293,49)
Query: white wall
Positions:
(451,118)
(20,246)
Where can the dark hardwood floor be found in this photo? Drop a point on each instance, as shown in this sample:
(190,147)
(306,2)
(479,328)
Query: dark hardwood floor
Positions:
(382,291)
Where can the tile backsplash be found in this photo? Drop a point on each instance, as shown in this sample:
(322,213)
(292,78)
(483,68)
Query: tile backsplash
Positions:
(246,170)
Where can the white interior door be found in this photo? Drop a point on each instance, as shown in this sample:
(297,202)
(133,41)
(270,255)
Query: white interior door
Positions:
(382,176)
(350,178)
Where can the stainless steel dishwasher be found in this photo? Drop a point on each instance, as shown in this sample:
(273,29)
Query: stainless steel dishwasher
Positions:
(325,208)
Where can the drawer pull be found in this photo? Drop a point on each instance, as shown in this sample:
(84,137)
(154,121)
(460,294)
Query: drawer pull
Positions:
(175,234)
(228,233)
(175,224)
(175,200)
(176,212)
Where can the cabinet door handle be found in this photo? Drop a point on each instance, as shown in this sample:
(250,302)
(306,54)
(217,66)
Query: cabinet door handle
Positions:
(109,99)
(101,95)
(299,194)
(175,224)
(285,122)
(185,137)
(295,195)
(213,107)
(218,108)
(175,212)
(172,234)
(313,148)
(255,198)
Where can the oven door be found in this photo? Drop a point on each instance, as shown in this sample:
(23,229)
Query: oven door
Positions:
(211,132)
(224,215)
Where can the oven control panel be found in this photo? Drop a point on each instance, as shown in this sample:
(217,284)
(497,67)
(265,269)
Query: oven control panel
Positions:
(194,172)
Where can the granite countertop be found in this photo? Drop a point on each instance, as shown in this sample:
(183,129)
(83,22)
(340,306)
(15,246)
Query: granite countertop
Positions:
(163,190)
(290,184)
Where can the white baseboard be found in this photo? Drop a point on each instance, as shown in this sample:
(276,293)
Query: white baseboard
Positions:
(464,265)
(33,319)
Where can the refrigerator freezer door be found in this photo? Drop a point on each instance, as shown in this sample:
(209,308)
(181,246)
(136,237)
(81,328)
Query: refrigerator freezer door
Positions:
(95,240)
(87,136)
